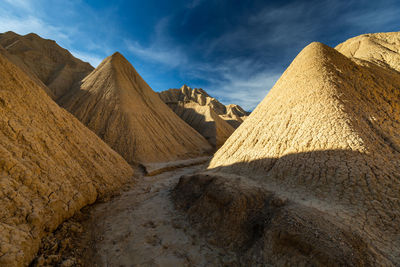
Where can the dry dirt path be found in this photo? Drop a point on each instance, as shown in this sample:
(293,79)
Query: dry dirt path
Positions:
(142,228)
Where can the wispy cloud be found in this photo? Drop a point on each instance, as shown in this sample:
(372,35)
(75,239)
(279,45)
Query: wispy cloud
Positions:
(24,4)
(234,53)
(158,53)
(93,59)
(162,49)
(238,81)
(374,20)
(26,16)
(249,91)
(29,23)
(194,3)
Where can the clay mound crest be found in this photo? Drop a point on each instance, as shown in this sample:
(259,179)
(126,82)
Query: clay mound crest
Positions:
(122,109)
(312,176)
(51,166)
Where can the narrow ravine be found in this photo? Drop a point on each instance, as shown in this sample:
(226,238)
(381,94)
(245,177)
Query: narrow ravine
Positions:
(142,228)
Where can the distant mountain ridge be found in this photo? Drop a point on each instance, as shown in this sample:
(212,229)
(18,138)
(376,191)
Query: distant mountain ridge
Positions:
(233,114)
(55,66)
(215,121)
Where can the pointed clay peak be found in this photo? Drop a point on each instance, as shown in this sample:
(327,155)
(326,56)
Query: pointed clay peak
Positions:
(32,35)
(324,139)
(315,53)
(116,58)
(56,155)
(123,110)
(186,90)
(9,33)
(119,56)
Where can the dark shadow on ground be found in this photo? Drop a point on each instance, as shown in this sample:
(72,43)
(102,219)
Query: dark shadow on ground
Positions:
(326,208)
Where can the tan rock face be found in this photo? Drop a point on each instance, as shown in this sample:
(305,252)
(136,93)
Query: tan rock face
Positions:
(205,121)
(45,59)
(235,115)
(50,166)
(121,108)
(215,121)
(312,176)
(382,49)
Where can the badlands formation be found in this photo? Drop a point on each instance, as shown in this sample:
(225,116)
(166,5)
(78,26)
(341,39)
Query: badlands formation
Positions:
(121,108)
(51,165)
(213,120)
(45,60)
(312,177)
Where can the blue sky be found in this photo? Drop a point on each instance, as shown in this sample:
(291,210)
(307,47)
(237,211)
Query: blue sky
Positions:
(234,49)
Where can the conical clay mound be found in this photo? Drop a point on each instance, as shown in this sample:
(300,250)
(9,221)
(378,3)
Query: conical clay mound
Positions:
(121,108)
(55,66)
(51,166)
(313,175)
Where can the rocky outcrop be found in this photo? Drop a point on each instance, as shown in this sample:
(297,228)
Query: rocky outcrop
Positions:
(381,49)
(45,60)
(312,176)
(205,121)
(51,165)
(215,121)
(235,115)
(121,108)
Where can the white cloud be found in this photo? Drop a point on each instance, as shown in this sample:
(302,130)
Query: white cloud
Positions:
(24,4)
(93,59)
(194,4)
(246,91)
(235,81)
(162,49)
(156,53)
(28,24)
(23,17)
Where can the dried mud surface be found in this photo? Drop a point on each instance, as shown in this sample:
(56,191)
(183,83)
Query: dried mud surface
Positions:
(51,166)
(325,138)
(139,227)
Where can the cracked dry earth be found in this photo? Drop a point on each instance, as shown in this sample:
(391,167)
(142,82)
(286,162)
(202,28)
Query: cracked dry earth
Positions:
(142,228)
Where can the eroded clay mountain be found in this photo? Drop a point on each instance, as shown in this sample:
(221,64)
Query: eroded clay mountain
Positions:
(121,108)
(215,121)
(45,60)
(205,121)
(233,114)
(382,49)
(312,177)
(51,165)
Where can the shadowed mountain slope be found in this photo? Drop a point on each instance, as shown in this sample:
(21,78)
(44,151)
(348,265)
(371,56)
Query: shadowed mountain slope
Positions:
(55,66)
(204,120)
(312,176)
(121,108)
(51,165)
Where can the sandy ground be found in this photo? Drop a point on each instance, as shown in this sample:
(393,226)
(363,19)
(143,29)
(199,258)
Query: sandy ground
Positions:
(142,228)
